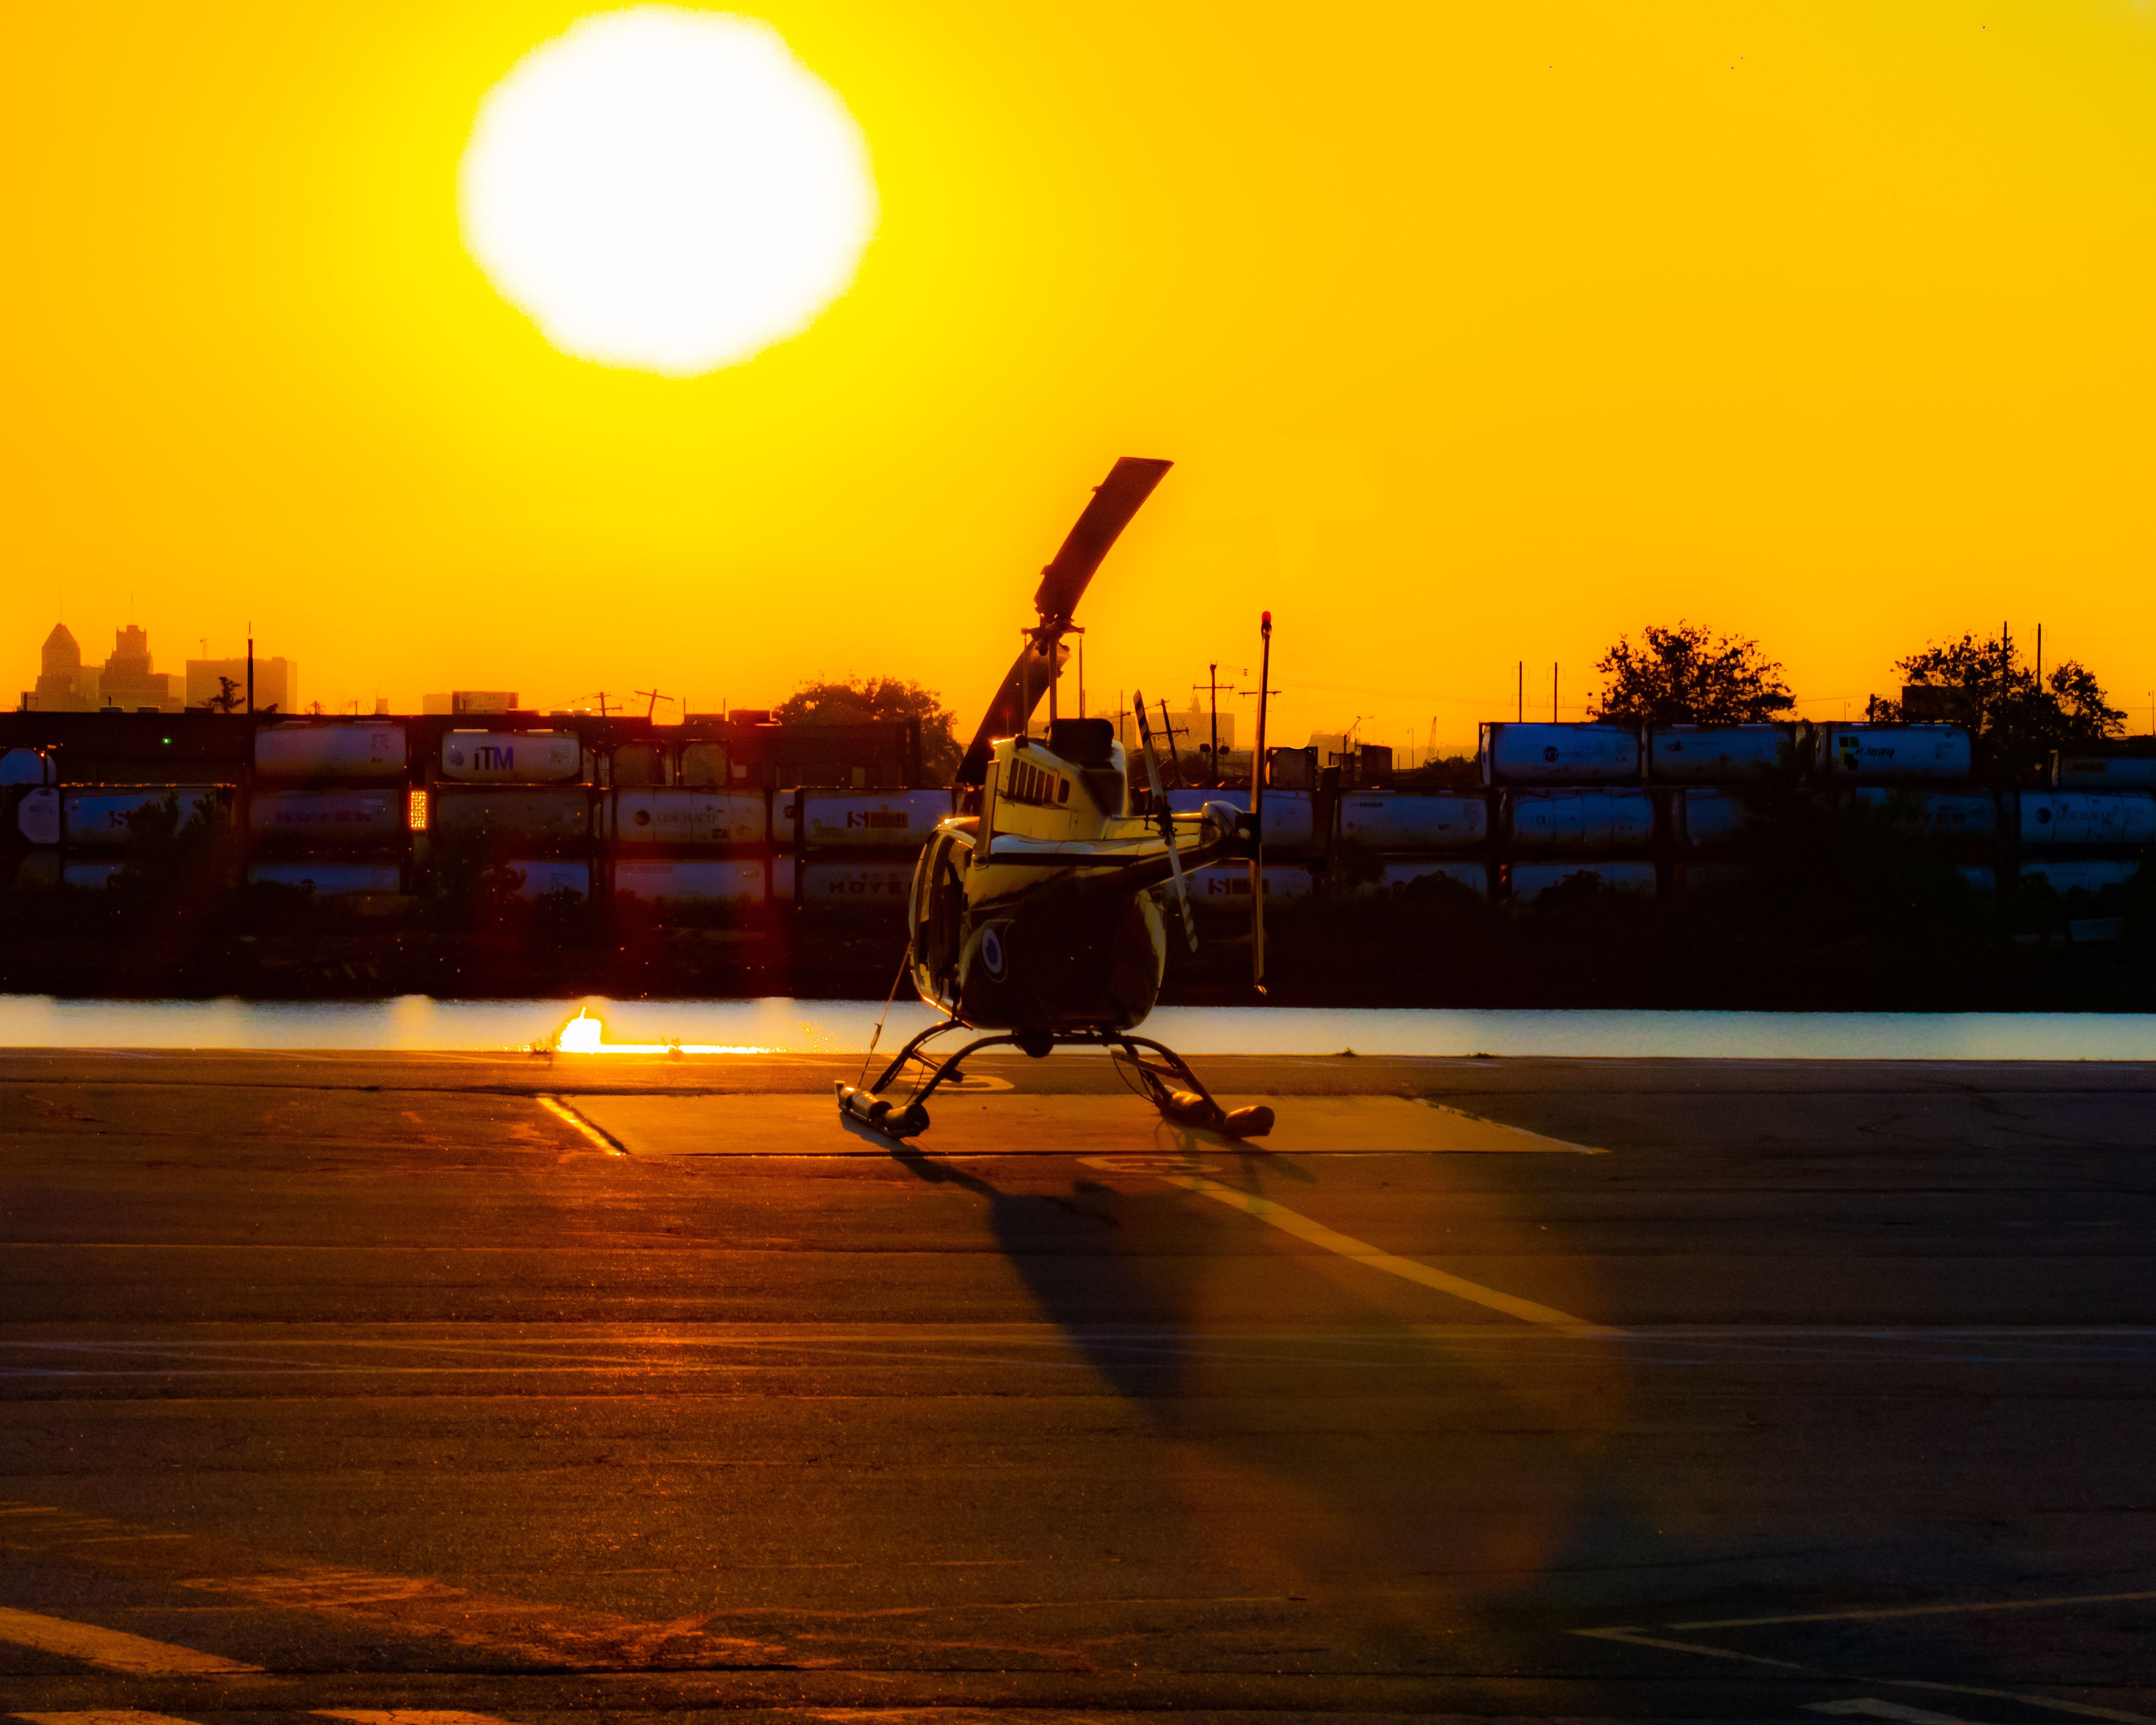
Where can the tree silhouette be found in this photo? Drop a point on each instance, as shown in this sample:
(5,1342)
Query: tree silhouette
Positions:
(2015,718)
(1687,675)
(860,698)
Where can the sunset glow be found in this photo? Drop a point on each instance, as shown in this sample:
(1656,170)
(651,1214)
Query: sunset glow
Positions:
(665,189)
(1477,336)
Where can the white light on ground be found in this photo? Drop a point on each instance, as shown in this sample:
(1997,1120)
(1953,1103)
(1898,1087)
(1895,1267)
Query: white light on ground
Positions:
(666,190)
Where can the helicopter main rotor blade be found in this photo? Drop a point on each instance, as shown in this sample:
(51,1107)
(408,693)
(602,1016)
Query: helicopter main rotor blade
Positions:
(1063,583)
(1115,500)
(1167,821)
(1012,704)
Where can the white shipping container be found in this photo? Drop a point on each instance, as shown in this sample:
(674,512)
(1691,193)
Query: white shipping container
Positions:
(101,817)
(512,757)
(732,882)
(38,816)
(1709,754)
(2082,874)
(329,750)
(857,821)
(1289,822)
(1580,820)
(840,883)
(1887,752)
(1532,880)
(2088,818)
(1559,754)
(546,874)
(690,817)
(1952,814)
(473,812)
(1410,820)
(2105,772)
(326,876)
(1400,876)
(1713,817)
(328,817)
(1218,884)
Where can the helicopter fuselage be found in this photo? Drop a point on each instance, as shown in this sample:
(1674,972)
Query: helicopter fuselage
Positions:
(1044,910)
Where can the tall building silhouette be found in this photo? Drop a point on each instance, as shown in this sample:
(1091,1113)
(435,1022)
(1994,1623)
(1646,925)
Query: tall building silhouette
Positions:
(129,681)
(60,677)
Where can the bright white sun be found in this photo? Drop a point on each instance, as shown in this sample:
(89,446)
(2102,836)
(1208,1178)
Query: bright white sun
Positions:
(667,190)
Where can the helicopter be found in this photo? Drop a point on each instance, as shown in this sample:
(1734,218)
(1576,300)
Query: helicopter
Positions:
(1039,915)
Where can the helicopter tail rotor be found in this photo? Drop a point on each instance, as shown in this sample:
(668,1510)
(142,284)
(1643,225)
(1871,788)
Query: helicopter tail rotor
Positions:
(1167,822)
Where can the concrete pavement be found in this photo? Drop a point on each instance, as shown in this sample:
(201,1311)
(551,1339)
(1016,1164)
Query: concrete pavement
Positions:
(523,1388)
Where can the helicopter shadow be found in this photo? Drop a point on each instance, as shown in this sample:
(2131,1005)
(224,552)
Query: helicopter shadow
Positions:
(1293,1392)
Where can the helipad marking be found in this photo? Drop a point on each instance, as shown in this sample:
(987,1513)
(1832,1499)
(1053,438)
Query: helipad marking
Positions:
(406,1716)
(111,1649)
(1293,1222)
(107,1716)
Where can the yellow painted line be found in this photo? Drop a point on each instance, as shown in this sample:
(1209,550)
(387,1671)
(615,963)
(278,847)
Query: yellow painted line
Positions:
(1870,1708)
(1634,1638)
(110,1648)
(1292,1222)
(1917,1610)
(561,1111)
(109,1715)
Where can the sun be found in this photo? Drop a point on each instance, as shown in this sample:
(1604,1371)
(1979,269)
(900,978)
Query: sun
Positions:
(666,190)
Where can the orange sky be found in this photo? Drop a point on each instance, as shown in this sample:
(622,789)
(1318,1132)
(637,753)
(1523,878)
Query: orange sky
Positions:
(1478,333)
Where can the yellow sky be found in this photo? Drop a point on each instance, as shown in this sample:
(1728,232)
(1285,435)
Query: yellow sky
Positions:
(1478,334)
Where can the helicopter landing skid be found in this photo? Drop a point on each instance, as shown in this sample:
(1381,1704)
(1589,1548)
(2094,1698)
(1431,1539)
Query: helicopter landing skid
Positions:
(1164,1079)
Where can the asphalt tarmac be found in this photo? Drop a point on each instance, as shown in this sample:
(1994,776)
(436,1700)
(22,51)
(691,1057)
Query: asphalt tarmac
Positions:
(405,1390)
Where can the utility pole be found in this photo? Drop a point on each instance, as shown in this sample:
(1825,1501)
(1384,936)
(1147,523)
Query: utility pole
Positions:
(1553,691)
(250,667)
(1523,691)
(2039,656)
(1213,685)
(1173,760)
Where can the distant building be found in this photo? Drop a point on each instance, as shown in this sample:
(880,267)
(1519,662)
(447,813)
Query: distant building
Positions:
(63,686)
(128,681)
(276,683)
(471,701)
